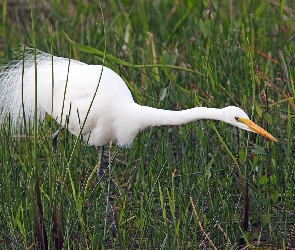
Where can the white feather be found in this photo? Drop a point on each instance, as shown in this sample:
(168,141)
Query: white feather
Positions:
(114,114)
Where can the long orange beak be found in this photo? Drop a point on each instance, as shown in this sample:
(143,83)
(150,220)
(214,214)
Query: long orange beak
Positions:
(255,128)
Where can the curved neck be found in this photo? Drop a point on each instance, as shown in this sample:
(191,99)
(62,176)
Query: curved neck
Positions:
(134,118)
(150,117)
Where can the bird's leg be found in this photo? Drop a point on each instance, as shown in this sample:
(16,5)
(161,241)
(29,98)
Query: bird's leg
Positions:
(54,139)
(100,174)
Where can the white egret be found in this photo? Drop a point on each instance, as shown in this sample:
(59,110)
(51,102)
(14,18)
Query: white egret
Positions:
(114,116)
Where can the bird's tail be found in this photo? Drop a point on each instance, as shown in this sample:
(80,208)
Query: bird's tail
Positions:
(17,84)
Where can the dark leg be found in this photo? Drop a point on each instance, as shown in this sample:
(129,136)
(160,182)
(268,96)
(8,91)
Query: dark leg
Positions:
(100,174)
(54,139)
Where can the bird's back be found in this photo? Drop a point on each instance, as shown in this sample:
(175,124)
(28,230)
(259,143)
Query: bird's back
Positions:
(73,85)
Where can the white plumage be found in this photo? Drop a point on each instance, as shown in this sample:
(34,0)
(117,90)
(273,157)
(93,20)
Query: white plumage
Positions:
(114,116)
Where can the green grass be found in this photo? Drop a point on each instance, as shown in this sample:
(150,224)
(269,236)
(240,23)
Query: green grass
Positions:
(173,179)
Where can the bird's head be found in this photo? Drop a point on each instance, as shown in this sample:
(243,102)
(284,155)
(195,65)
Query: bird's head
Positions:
(240,119)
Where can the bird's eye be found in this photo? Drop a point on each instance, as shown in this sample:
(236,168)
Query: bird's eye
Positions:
(237,118)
